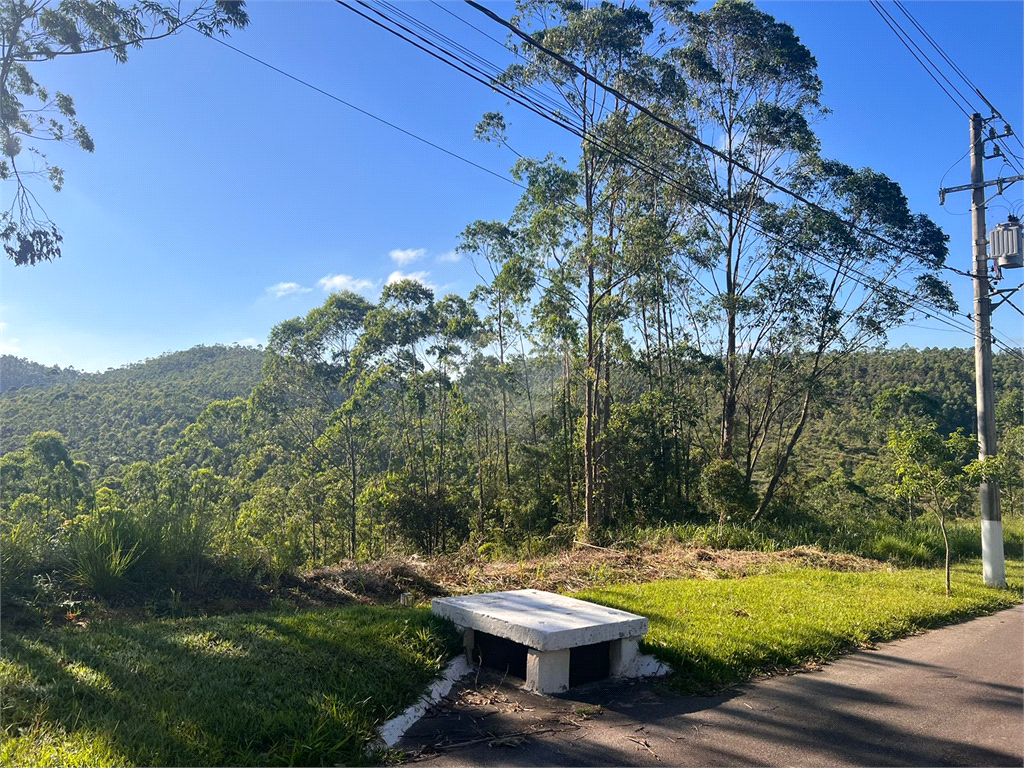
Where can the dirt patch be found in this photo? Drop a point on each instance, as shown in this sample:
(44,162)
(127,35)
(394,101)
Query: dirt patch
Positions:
(584,567)
(376,583)
(587,566)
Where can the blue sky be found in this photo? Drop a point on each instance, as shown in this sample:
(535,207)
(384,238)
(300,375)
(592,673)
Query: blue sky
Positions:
(223,198)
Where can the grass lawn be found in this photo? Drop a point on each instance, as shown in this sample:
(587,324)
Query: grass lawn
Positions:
(310,687)
(307,688)
(715,633)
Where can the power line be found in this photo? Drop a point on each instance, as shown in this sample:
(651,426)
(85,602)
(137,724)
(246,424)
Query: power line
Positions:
(486,67)
(533,42)
(907,43)
(901,33)
(867,281)
(952,64)
(459,64)
(362,111)
(675,128)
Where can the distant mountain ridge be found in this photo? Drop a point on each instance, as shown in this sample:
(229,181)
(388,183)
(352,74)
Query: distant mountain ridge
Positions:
(127,414)
(20,373)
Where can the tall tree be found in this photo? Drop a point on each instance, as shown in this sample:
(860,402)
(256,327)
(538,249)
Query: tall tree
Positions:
(575,221)
(778,290)
(754,94)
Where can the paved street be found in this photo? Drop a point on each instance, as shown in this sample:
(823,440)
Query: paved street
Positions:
(952,696)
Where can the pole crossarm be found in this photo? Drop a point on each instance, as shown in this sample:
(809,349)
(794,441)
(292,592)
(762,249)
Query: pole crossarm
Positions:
(1003,182)
(1009,292)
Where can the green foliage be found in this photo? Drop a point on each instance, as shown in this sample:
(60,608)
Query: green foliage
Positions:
(19,558)
(19,373)
(101,558)
(726,493)
(134,413)
(632,359)
(935,470)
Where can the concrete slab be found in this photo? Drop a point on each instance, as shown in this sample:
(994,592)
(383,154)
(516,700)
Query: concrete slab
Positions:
(540,620)
(952,696)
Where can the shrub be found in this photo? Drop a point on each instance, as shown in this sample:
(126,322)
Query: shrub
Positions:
(725,492)
(19,558)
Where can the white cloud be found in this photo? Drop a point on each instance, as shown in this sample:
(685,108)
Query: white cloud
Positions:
(336,283)
(407,255)
(286,289)
(420,277)
(451,257)
(249,342)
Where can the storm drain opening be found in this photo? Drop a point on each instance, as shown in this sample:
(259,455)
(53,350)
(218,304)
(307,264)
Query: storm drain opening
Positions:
(506,656)
(589,663)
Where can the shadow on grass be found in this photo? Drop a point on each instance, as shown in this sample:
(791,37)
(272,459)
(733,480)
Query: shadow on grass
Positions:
(306,689)
(887,707)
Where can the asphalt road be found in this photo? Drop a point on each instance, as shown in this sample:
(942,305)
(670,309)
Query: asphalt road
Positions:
(952,696)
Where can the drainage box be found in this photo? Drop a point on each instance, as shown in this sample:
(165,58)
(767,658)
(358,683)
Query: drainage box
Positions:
(551,641)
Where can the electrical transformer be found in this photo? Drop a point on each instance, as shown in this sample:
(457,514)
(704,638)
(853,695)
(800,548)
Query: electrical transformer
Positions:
(1007,244)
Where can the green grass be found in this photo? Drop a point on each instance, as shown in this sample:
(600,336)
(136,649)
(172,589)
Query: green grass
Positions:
(306,688)
(716,633)
(899,542)
(310,687)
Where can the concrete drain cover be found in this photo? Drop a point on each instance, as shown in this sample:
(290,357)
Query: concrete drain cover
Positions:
(563,641)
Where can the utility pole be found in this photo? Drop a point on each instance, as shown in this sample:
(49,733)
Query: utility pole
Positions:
(993,563)
(1009,246)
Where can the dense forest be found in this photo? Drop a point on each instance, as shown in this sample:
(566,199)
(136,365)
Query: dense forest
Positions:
(662,337)
(134,413)
(17,373)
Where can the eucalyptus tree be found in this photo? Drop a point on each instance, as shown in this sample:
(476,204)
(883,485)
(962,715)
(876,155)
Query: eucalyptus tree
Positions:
(397,332)
(31,115)
(835,284)
(415,349)
(305,402)
(780,291)
(575,221)
(754,93)
(509,278)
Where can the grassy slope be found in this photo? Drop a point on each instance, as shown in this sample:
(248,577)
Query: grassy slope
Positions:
(715,633)
(309,687)
(260,689)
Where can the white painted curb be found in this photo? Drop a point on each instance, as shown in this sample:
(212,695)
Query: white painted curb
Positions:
(459,667)
(396,727)
(647,666)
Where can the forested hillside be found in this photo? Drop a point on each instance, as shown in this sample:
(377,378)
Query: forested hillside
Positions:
(660,337)
(19,373)
(133,413)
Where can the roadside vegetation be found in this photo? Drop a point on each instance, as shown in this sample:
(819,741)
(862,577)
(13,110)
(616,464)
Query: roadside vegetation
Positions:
(309,687)
(717,633)
(281,688)
(669,390)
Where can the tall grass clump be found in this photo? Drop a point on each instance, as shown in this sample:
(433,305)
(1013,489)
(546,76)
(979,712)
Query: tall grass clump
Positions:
(20,558)
(102,561)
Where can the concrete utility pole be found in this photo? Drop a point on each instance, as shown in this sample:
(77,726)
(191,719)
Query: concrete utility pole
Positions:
(993,560)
